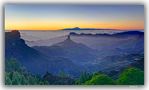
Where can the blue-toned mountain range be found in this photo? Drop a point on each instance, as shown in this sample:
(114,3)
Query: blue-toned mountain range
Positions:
(78,52)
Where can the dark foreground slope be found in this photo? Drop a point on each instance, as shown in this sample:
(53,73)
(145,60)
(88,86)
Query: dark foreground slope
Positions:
(33,60)
(16,48)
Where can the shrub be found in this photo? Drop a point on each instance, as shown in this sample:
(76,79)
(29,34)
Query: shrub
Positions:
(100,79)
(131,76)
(83,78)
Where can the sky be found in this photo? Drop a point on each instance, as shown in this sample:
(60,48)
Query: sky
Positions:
(60,16)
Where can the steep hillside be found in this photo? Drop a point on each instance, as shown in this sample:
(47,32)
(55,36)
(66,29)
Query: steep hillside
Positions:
(33,60)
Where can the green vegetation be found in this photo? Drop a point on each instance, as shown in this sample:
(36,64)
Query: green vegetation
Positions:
(56,80)
(13,65)
(62,74)
(16,74)
(17,78)
(131,76)
(100,79)
(83,78)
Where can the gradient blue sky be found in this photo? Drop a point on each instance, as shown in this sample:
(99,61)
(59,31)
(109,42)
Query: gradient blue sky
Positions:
(58,16)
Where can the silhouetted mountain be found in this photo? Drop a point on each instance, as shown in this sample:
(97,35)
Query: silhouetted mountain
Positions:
(76,52)
(116,34)
(33,60)
(16,48)
(77,28)
(131,33)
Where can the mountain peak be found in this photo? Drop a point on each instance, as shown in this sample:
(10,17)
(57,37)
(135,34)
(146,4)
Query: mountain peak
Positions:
(13,34)
(75,28)
(68,37)
(78,28)
(68,40)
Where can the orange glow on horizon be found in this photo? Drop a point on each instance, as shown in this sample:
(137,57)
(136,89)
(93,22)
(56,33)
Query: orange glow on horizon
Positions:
(58,25)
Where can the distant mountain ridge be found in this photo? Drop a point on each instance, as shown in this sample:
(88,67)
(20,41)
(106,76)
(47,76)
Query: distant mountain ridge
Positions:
(115,34)
(127,42)
(77,28)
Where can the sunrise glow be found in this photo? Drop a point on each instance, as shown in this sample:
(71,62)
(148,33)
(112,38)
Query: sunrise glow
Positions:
(57,17)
